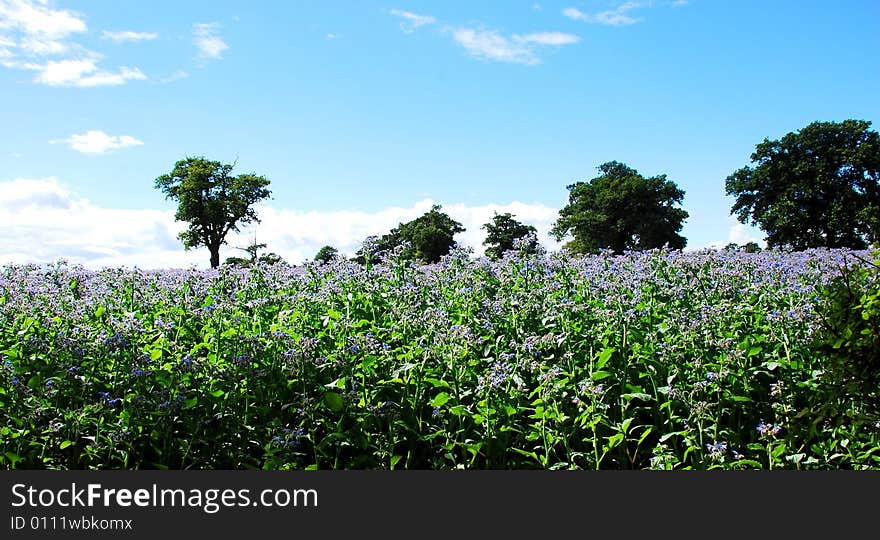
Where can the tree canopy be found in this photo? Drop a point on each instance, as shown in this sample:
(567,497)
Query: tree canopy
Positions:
(428,237)
(326,254)
(621,210)
(503,231)
(817,187)
(212,200)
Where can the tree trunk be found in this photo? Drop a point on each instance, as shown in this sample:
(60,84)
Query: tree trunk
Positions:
(215,256)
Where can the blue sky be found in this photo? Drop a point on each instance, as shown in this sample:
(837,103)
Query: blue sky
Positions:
(364,113)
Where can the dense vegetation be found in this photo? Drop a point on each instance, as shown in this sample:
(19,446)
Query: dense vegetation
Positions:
(817,187)
(657,359)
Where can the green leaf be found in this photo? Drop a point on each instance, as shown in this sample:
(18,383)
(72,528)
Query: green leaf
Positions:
(65,444)
(614,440)
(604,356)
(440,399)
(333,401)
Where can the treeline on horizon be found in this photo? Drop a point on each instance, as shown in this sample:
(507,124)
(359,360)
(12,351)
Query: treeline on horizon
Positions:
(817,187)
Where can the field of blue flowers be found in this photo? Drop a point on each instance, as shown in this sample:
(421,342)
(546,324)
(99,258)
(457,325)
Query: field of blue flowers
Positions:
(653,360)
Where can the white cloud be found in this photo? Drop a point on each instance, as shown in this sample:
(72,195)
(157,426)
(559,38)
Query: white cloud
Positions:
(612,17)
(209,44)
(411,21)
(40,29)
(741,234)
(35,46)
(331,36)
(176,76)
(42,221)
(127,35)
(490,45)
(37,18)
(37,30)
(517,49)
(98,142)
(549,38)
(82,72)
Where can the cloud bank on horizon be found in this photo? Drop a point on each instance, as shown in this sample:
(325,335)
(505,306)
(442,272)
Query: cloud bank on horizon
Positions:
(47,221)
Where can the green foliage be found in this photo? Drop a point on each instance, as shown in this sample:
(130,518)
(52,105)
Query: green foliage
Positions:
(652,360)
(212,200)
(749,247)
(426,238)
(326,254)
(237,261)
(254,257)
(621,210)
(503,231)
(817,187)
(850,339)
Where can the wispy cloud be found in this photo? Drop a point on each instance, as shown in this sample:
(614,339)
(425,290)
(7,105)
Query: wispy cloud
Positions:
(618,16)
(491,45)
(411,21)
(82,72)
(37,37)
(128,35)
(98,142)
(176,76)
(209,44)
(549,38)
(517,49)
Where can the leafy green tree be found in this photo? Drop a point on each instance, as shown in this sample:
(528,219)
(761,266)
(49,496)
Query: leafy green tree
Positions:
(749,247)
(237,261)
(326,254)
(212,200)
(428,237)
(501,233)
(270,258)
(254,257)
(621,210)
(817,187)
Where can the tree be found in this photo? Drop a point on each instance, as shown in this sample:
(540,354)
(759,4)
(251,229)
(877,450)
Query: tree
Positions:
(253,251)
(749,247)
(429,237)
(326,254)
(212,200)
(817,187)
(502,231)
(621,210)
